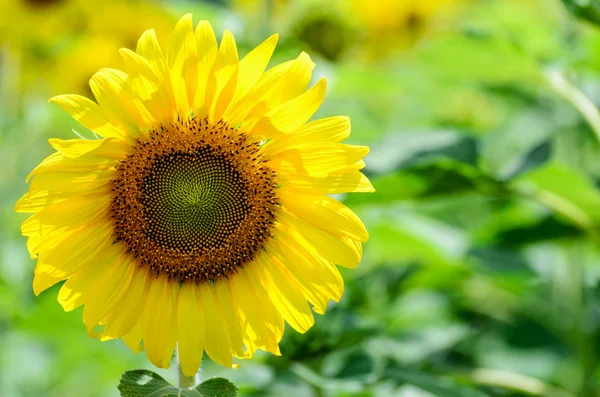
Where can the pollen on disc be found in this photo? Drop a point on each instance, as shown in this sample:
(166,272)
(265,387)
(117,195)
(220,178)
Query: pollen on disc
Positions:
(194,201)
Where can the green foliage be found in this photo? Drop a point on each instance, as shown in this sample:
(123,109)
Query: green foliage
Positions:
(588,9)
(143,383)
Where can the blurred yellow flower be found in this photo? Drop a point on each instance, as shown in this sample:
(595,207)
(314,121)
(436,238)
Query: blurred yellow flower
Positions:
(256,7)
(61,43)
(202,217)
(371,29)
(395,25)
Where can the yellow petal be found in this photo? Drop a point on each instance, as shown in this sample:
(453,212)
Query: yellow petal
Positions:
(273,319)
(182,60)
(90,115)
(266,94)
(207,52)
(153,86)
(355,246)
(276,86)
(159,320)
(148,47)
(133,339)
(285,293)
(76,290)
(298,77)
(359,165)
(70,254)
(292,114)
(217,340)
(253,315)
(81,156)
(325,213)
(121,106)
(333,248)
(311,292)
(318,280)
(73,182)
(349,181)
(75,148)
(108,290)
(190,328)
(58,163)
(318,159)
(330,129)
(253,65)
(223,78)
(223,294)
(38,200)
(148,79)
(35,244)
(127,313)
(66,215)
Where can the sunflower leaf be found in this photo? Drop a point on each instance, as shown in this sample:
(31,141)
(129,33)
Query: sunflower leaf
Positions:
(143,383)
(217,387)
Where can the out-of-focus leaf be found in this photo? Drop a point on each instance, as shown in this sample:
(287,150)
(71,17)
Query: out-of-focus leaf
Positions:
(430,179)
(144,383)
(511,149)
(438,386)
(493,352)
(546,229)
(400,147)
(402,236)
(500,261)
(418,346)
(584,9)
(566,190)
(314,378)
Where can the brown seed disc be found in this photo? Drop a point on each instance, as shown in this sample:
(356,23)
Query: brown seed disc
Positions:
(194,201)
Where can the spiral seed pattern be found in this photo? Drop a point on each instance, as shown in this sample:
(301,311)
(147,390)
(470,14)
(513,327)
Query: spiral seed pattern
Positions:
(194,201)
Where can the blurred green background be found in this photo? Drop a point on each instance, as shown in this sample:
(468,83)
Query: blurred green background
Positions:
(481,277)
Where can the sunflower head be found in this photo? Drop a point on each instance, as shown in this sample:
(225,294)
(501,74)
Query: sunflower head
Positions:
(202,217)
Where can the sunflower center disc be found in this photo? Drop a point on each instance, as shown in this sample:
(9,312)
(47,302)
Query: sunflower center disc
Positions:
(194,201)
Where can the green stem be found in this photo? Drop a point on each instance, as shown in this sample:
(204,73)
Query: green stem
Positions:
(268,11)
(577,98)
(517,382)
(562,206)
(590,113)
(186,382)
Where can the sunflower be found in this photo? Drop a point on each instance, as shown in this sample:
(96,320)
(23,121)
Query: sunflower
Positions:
(202,217)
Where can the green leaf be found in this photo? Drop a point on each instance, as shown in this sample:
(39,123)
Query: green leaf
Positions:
(584,9)
(143,383)
(438,385)
(429,179)
(217,387)
(566,190)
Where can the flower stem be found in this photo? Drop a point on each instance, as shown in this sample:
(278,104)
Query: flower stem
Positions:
(578,99)
(186,382)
